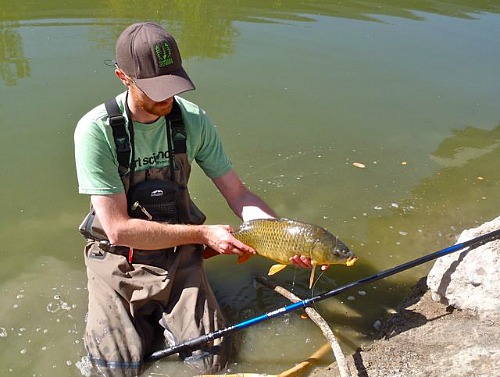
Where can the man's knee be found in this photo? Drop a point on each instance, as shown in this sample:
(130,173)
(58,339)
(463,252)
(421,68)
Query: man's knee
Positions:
(208,360)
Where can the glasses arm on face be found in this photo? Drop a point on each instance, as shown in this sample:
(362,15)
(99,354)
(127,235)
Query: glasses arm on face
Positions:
(125,76)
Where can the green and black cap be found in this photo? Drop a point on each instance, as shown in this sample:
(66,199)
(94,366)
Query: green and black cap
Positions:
(149,54)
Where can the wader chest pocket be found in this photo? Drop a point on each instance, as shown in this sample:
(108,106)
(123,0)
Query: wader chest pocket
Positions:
(153,200)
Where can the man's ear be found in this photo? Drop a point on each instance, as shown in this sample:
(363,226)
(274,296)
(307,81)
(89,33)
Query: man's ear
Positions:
(123,77)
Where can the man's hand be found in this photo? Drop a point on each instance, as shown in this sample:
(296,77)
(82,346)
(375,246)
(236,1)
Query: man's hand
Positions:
(220,238)
(304,262)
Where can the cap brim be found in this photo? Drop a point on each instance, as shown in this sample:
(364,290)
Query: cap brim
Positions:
(162,87)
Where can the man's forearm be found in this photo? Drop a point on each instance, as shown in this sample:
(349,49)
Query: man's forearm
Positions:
(152,235)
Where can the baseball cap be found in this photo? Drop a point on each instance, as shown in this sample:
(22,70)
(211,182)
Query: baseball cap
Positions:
(148,53)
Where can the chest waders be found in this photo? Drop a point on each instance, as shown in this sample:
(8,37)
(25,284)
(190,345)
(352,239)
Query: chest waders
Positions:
(153,293)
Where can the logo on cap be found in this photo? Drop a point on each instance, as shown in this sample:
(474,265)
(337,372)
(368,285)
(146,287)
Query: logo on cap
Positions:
(164,54)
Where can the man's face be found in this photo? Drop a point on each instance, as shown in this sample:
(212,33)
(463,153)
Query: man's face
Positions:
(158,109)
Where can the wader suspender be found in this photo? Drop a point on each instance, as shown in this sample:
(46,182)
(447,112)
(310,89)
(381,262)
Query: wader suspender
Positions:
(125,146)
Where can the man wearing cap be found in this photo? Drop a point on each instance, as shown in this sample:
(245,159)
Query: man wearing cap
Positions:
(144,266)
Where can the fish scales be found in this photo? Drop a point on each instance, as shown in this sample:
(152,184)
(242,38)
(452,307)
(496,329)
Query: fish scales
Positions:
(275,240)
(281,239)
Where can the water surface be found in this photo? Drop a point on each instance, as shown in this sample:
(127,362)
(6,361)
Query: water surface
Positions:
(299,91)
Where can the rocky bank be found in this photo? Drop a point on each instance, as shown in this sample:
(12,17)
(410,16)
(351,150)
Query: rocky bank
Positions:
(449,324)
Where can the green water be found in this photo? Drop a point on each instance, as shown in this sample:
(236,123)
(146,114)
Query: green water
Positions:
(299,91)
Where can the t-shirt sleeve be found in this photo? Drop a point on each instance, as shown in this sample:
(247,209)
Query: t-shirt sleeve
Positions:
(96,162)
(211,156)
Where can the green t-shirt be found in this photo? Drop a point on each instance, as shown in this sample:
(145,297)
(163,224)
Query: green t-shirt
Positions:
(95,151)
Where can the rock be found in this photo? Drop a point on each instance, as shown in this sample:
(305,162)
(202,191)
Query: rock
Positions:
(470,279)
(425,338)
(428,339)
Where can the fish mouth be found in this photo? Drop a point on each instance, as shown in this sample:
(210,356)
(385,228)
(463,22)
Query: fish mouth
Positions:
(350,261)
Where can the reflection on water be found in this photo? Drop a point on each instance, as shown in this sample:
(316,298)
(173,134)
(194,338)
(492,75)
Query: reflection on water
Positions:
(204,29)
(13,64)
(299,92)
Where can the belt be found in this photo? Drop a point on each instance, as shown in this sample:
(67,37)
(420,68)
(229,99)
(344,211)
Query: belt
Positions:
(110,248)
(117,249)
(129,252)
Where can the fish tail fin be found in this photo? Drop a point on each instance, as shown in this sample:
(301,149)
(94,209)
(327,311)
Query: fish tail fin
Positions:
(276,268)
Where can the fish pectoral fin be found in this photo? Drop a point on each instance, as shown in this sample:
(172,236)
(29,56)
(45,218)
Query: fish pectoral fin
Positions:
(244,257)
(311,279)
(276,268)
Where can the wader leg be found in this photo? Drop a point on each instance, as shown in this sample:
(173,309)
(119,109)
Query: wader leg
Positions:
(128,303)
(193,311)
(112,342)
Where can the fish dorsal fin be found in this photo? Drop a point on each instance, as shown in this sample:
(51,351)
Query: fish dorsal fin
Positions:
(276,268)
(311,279)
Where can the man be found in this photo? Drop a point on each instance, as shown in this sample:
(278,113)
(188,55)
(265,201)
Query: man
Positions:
(143,256)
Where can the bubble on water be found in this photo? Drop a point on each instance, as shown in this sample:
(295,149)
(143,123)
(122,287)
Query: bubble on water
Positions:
(19,296)
(23,351)
(53,307)
(69,362)
(351,298)
(362,293)
(3,332)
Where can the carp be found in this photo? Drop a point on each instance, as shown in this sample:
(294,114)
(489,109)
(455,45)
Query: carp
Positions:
(281,239)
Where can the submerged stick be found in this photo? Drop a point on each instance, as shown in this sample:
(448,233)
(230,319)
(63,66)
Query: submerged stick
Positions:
(299,368)
(320,322)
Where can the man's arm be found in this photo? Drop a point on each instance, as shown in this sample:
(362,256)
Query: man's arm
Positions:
(244,203)
(249,206)
(151,235)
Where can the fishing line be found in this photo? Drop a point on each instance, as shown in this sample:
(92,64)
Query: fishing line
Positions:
(314,286)
(196,342)
(294,277)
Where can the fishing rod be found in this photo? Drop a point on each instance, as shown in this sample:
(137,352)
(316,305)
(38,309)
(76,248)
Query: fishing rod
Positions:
(195,342)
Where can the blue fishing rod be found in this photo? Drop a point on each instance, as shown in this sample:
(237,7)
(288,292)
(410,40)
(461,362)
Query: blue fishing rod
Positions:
(195,342)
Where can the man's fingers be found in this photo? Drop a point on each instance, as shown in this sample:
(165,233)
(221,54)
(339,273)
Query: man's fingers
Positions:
(301,261)
(236,247)
(242,247)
